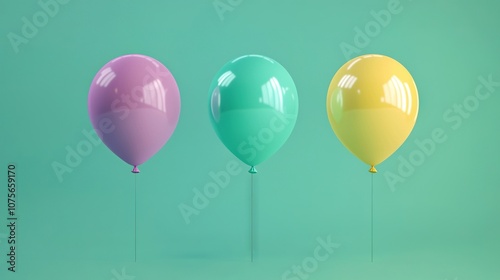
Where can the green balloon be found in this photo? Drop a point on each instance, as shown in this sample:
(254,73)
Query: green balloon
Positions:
(253,107)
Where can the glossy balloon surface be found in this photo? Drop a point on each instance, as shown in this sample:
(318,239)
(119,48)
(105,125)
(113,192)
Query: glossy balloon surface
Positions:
(134,105)
(372,106)
(253,107)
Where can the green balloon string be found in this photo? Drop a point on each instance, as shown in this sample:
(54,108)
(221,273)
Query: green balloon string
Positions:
(252,170)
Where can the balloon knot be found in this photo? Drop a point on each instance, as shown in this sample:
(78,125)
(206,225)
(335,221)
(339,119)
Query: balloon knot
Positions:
(252,170)
(372,169)
(135,170)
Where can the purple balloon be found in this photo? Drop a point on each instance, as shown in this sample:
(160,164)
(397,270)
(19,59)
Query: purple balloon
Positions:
(134,106)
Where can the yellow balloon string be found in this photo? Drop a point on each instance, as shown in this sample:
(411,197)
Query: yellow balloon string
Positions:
(372,221)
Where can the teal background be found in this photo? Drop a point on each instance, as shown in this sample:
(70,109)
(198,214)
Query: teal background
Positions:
(440,223)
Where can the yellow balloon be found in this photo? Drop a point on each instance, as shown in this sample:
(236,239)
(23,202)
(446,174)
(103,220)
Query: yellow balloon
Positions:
(372,105)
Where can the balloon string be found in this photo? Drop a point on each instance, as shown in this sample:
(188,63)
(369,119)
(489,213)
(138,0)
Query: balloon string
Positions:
(251,217)
(135,218)
(372,222)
